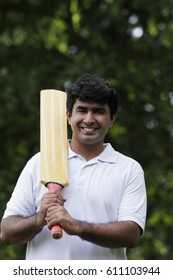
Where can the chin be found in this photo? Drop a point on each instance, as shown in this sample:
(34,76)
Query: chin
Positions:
(90,141)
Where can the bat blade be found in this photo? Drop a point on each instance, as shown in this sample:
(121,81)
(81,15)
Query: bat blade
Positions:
(53,141)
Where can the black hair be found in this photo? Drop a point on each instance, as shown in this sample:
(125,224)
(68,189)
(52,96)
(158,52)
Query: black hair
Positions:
(92,88)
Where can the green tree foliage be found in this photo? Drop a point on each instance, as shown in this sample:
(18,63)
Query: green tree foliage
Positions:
(48,45)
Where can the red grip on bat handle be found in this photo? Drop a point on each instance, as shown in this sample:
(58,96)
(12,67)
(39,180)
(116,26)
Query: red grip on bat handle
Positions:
(56,230)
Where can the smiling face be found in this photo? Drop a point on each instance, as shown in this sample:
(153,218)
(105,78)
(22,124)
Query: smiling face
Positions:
(89,122)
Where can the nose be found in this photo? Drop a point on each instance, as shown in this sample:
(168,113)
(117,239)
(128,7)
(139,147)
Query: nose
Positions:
(89,118)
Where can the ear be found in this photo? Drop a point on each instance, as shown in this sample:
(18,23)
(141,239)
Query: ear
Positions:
(68,117)
(113,120)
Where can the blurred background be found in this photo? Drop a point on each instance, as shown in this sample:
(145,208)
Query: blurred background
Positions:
(48,44)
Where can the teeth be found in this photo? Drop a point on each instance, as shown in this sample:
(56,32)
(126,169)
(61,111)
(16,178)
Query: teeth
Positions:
(88,129)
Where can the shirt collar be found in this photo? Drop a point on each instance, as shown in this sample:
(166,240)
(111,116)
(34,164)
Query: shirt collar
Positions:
(108,155)
(71,154)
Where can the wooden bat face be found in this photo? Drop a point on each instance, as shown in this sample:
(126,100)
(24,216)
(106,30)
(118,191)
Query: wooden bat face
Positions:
(54,145)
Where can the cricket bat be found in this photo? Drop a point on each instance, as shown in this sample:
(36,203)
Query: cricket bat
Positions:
(53,143)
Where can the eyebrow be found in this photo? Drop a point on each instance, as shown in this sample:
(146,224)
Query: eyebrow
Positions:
(95,108)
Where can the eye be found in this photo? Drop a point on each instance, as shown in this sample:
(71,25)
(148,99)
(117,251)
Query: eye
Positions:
(81,109)
(99,111)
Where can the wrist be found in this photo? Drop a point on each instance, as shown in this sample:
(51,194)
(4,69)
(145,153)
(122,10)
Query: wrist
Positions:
(38,223)
(83,228)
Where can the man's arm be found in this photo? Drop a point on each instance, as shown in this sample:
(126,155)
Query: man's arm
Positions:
(18,229)
(110,235)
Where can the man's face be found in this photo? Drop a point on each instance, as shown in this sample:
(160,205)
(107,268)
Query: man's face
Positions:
(90,122)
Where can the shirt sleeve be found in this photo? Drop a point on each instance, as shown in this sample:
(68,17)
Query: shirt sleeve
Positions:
(134,202)
(22,202)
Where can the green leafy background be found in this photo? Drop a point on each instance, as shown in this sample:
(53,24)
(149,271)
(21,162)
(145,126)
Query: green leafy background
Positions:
(48,44)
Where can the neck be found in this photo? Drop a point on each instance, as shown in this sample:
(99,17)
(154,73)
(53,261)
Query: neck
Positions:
(87,151)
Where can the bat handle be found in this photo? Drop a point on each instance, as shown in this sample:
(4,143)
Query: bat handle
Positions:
(56,230)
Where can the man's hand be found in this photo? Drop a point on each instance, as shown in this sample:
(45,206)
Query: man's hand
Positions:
(57,214)
(50,199)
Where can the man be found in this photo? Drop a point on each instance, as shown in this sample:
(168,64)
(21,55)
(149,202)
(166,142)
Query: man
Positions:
(103,210)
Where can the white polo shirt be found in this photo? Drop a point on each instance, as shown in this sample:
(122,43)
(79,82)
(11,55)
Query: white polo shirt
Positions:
(107,188)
